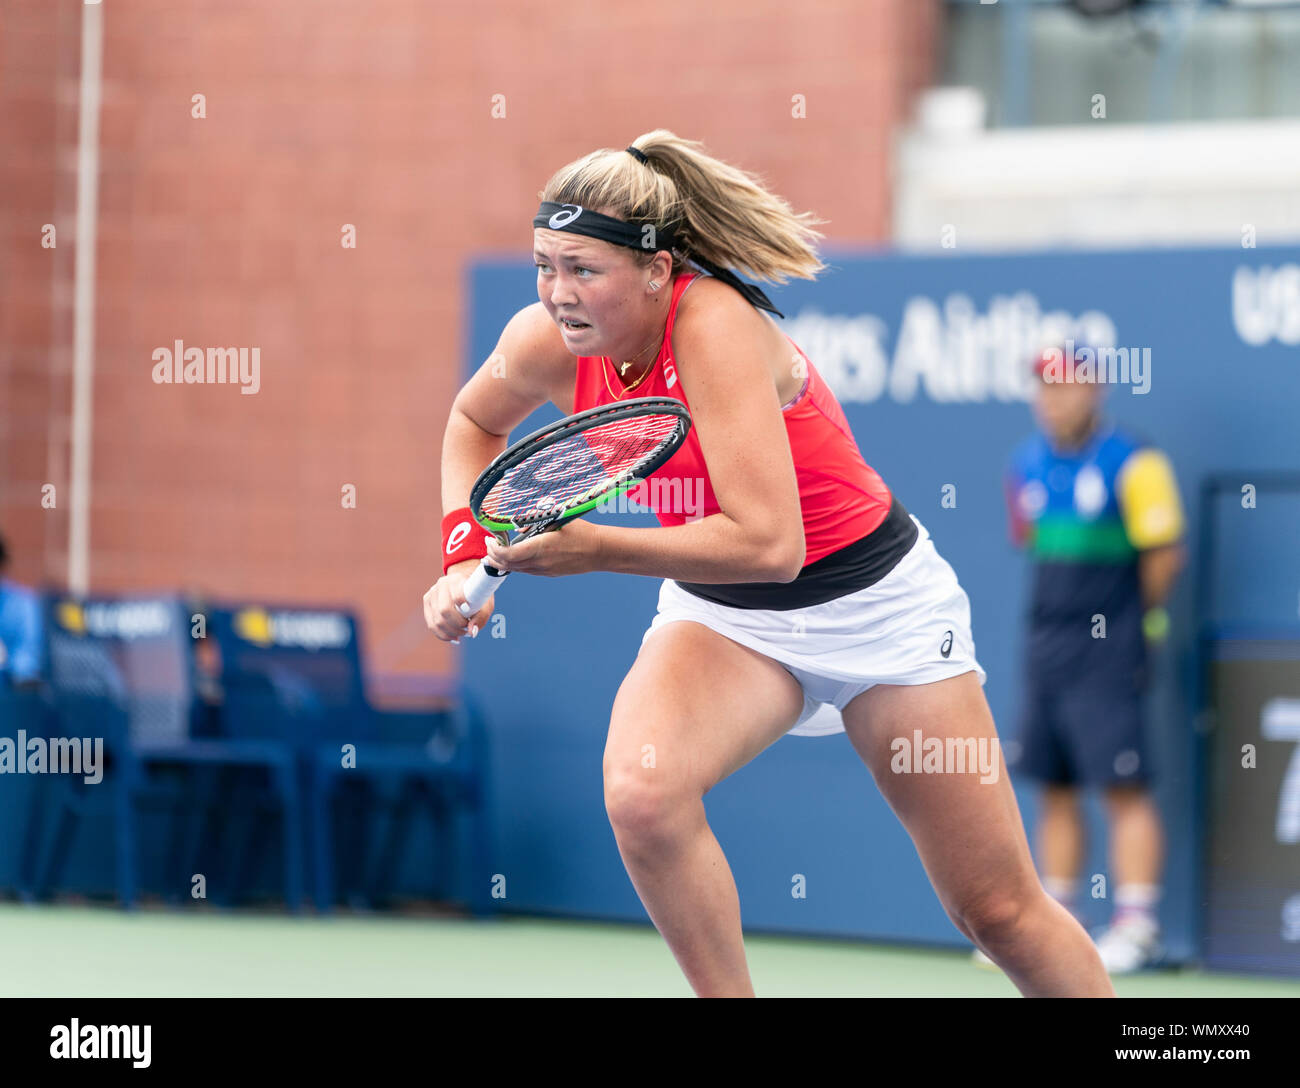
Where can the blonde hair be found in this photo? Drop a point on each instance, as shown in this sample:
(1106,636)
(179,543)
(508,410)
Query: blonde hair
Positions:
(718,211)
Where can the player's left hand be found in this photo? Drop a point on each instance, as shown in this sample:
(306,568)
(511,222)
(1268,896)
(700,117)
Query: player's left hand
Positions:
(573,548)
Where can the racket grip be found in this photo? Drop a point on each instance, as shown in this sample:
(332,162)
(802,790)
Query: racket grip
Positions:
(481,585)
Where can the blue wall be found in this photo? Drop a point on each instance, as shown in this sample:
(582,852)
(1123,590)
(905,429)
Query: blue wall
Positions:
(924,355)
(927,356)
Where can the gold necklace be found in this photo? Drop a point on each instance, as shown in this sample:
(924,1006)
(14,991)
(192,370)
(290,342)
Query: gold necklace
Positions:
(626,364)
(626,389)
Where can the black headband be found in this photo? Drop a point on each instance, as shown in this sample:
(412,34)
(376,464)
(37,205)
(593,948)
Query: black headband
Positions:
(638,234)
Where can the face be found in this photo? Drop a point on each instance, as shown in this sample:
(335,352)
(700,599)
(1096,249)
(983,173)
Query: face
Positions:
(601,286)
(1065,409)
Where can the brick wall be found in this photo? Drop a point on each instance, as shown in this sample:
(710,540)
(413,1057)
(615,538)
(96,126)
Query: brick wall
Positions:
(225,231)
(39,62)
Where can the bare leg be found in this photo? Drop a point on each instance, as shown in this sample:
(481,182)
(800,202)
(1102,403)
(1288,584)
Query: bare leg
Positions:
(1060,836)
(1136,836)
(1136,846)
(971,839)
(694,708)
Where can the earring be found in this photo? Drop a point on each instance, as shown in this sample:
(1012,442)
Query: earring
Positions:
(654,286)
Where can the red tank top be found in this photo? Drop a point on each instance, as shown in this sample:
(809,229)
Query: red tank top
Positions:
(842,498)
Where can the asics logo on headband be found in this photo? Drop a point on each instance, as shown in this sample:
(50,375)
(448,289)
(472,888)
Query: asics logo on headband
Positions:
(564,217)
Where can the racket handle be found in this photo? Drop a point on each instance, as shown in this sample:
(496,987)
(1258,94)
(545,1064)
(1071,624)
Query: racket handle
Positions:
(481,585)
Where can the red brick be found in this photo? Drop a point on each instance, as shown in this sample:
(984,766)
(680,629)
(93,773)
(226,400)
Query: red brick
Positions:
(225,232)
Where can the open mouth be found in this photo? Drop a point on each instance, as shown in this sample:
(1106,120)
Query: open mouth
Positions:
(573,326)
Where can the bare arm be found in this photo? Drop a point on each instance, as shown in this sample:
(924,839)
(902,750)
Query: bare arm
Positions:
(529,365)
(1158,569)
(1153,520)
(517,378)
(736,414)
(712,550)
(467,449)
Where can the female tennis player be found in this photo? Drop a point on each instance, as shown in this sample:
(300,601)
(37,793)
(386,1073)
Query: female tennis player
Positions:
(804,582)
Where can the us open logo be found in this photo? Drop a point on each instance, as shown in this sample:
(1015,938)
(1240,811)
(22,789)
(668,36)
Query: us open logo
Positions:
(563,218)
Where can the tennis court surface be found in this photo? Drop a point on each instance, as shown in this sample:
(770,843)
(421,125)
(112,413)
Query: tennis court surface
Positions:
(75,951)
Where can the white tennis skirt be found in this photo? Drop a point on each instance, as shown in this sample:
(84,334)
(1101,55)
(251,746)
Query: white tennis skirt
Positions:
(911,627)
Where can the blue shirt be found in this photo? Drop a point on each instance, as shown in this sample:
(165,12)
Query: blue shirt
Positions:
(20,632)
(1084,516)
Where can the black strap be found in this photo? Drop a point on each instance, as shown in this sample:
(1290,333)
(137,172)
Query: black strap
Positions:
(752,293)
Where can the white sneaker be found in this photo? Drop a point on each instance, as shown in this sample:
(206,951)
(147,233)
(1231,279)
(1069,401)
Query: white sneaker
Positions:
(1129,945)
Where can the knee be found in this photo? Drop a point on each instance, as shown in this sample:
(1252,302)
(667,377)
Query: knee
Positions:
(643,806)
(994,919)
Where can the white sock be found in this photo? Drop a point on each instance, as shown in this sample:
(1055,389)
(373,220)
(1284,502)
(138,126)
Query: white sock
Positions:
(1065,890)
(1136,901)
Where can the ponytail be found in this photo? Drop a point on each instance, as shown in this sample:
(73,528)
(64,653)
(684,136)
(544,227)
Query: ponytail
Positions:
(716,211)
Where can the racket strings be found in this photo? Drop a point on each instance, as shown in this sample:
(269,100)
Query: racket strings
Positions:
(578,467)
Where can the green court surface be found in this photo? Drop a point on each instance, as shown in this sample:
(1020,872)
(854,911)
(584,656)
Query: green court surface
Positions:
(75,951)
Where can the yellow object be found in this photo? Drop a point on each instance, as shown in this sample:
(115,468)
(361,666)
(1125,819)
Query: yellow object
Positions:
(253,625)
(71,617)
(1148,500)
(1155,624)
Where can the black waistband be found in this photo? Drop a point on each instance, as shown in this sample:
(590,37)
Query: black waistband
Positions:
(855,566)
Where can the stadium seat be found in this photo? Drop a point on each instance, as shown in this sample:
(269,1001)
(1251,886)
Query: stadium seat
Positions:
(24,713)
(302,667)
(123,669)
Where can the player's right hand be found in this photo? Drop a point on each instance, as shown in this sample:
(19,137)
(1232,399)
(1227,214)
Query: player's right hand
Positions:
(443,602)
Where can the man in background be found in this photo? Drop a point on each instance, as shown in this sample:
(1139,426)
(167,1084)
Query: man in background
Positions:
(1098,510)
(20,630)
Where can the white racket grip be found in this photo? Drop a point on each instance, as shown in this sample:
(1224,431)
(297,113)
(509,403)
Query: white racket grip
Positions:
(479,586)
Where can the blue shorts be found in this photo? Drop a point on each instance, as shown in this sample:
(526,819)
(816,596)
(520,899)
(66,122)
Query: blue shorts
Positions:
(1082,733)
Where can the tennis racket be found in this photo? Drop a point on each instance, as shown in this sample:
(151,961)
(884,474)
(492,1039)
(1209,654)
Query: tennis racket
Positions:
(568,468)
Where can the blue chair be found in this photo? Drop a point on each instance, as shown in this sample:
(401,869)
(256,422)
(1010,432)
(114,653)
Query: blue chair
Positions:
(302,666)
(123,669)
(24,713)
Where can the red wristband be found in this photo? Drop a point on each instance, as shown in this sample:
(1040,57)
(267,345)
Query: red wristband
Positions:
(462,538)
